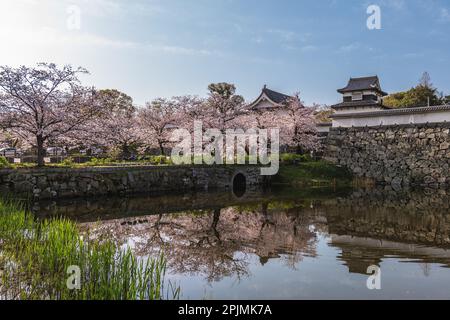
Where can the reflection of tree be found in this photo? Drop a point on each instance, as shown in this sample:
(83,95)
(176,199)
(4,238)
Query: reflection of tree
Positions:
(217,243)
(285,234)
(426,268)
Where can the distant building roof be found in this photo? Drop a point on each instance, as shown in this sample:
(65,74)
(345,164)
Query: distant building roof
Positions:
(390,112)
(352,104)
(276,98)
(324,124)
(364,83)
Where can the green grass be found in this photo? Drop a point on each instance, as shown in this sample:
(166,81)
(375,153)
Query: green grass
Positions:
(35,257)
(292,158)
(94,162)
(313,173)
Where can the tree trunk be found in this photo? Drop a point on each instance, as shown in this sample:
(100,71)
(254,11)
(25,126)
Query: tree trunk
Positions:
(40,151)
(161,148)
(125,152)
(214,224)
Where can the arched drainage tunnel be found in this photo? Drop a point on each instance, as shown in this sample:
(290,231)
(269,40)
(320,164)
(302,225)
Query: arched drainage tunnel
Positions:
(239,185)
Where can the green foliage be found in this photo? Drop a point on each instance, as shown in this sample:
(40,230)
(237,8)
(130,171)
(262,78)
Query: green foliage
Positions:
(292,158)
(160,160)
(225,90)
(67,162)
(418,96)
(116,101)
(94,162)
(324,115)
(157,160)
(395,100)
(4,163)
(313,172)
(36,255)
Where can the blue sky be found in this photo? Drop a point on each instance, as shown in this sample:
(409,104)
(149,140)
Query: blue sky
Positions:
(164,48)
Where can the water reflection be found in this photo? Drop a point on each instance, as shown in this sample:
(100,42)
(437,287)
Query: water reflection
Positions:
(299,235)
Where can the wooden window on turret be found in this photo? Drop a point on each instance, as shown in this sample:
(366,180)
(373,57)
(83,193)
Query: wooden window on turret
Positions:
(357,96)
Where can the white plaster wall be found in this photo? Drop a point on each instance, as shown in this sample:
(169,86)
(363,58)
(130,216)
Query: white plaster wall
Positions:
(264,104)
(323,129)
(358,110)
(365,92)
(372,121)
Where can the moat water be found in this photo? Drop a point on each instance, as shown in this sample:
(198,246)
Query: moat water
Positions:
(284,243)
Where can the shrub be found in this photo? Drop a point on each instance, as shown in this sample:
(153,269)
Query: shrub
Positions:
(160,160)
(292,158)
(4,163)
(156,160)
(68,162)
(99,162)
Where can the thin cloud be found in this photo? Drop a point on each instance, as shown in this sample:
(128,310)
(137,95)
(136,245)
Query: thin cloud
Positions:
(445,15)
(52,37)
(395,4)
(355,46)
(349,48)
(309,48)
(104,8)
(413,55)
(285,35)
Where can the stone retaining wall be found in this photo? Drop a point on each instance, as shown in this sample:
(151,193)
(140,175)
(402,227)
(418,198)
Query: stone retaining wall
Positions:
(400,155)
(49,183)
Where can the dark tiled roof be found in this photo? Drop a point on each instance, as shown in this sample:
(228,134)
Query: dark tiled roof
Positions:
(276,97)
(391,112)
(362,103)
(365,83)
(324,124)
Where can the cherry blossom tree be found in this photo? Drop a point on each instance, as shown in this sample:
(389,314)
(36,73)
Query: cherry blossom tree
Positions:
(259,119)
(117,128)
(191,108)
(8,140)
(161,116)
(42,103)
(298,126)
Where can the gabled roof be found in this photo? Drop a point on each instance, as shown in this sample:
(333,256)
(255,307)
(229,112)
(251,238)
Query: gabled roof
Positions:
(364,83)
(276,98)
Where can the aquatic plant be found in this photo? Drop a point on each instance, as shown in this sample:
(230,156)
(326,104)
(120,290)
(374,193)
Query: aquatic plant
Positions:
(36,258)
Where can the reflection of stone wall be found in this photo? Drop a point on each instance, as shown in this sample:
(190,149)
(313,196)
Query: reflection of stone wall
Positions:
(51,183)
(397,155)
(107,208)
(413,217)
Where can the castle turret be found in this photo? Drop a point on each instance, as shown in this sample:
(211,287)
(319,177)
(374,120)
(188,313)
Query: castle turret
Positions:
(361,95)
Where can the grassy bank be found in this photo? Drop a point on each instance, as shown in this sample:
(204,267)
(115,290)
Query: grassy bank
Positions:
(71,162)
(313,173)
(35,257)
